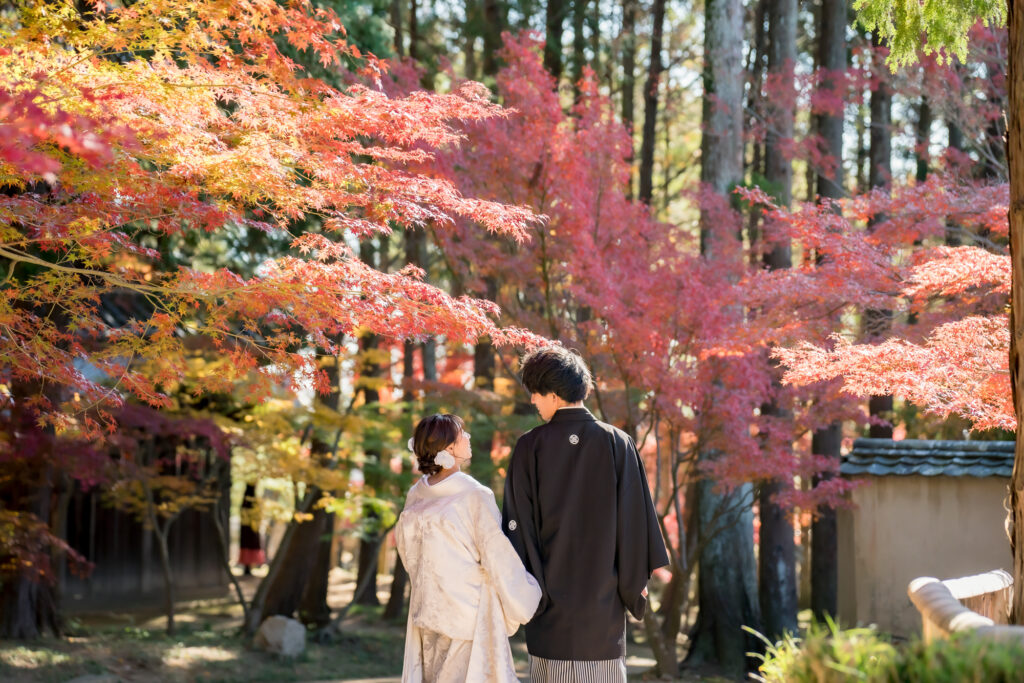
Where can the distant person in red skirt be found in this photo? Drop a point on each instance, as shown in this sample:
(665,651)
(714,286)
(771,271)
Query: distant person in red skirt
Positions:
(250,549)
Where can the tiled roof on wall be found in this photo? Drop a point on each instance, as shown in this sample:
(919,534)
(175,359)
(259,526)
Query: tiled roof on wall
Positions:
(885,457)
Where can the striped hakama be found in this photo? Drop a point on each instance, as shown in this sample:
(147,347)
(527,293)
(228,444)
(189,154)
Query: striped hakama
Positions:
(568,671)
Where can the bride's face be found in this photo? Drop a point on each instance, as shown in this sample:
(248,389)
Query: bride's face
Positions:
(461,450)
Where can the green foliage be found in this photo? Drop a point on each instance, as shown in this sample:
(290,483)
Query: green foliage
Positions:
(943,23)
(965,657)
(828,654)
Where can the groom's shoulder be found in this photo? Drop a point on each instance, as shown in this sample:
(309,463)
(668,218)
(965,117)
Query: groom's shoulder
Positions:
(617,434)
(531,435)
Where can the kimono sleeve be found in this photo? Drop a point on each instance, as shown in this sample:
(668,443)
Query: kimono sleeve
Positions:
(519,519)
(517,590)
(640,548)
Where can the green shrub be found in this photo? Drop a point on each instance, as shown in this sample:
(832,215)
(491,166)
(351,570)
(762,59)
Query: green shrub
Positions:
(964,658)
(828,654)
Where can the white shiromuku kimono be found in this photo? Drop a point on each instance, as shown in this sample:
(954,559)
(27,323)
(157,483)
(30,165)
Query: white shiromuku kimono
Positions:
(470,591)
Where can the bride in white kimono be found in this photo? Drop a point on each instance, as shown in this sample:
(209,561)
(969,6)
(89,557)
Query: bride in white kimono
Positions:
(470,591)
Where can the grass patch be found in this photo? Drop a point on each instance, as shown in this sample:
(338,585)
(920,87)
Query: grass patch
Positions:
(198,654)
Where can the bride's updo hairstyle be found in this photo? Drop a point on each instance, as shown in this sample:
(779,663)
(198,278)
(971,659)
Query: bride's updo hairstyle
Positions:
(434,433)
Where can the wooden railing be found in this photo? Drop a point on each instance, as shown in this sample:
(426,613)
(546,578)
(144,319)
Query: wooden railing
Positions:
(972,603)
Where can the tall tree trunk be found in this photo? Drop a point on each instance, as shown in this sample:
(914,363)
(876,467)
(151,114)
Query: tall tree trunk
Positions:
(290,559)
(727,580)
(756,64)
(824,545)
(396,24)
(629,12)
(880,152)
(554,27)
(1015,164)
(162,530)
(826,441)
(832,61)
(777,557)
(396,600)
(651,91)
(313,607)
(995,154)
(28,606)
(219,513)
(370,369)
(594,19)
(414,32)
(579,43)
(430,360)
(400,576)
(955,142)
(482,429)
(923,138)
(495,21)
(863,127)
(287,586)
(878,322)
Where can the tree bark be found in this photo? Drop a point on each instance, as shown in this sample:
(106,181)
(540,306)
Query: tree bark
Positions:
(219,515)
(554,27)
(832,62)
(28,606)
(923,138)
(777,556)
(996,152)
(162,531)
(629,12)
(288,585)
(396,24)
(579,43)
(727,580)
(396,601)
(495,22)
(313,607)
(878,322)
(722,140)
(824,547)
(651,91)
(1015,164)
(266,600)
(414,32)
(826,441)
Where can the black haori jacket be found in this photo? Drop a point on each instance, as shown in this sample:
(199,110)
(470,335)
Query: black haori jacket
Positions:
(578,511)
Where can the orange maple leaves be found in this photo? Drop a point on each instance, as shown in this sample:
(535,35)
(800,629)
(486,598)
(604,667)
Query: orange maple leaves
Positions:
(136,128)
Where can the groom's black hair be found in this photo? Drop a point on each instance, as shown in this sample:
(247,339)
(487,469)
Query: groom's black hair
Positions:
(556,370)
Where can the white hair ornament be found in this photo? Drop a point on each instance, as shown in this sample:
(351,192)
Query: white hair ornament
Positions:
(445,459)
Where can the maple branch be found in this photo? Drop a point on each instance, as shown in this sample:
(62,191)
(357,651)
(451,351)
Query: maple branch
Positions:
(87,272)
(10,273)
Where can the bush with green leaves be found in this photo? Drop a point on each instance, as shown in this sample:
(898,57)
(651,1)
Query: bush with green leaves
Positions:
(964,658)
(828,654)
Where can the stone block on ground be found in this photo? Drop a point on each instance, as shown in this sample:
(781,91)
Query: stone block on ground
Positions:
(281,635)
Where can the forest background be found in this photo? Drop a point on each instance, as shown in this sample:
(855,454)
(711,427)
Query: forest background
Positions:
(237,231)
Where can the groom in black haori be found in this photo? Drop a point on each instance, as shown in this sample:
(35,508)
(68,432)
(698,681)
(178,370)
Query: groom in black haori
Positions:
(578,511)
